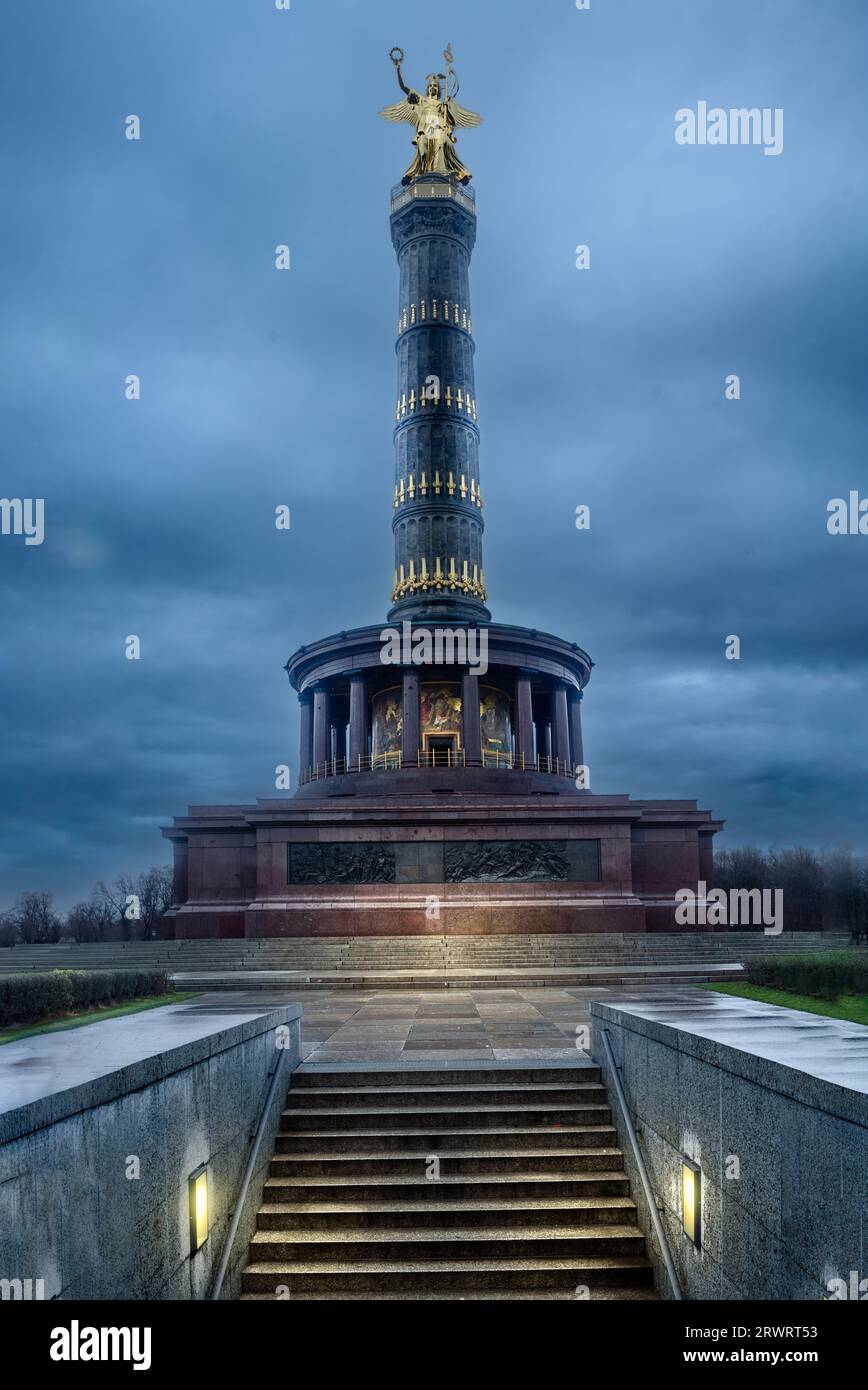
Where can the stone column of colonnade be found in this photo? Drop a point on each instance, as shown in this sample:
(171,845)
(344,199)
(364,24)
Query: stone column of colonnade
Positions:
(471,730)
(358,719)
(523,705)
(410,716)
(577,747)
(305,732)
(560,725)
(321,725)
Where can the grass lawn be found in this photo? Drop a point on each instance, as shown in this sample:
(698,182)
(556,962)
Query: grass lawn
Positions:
(59,1025)
(853,1008)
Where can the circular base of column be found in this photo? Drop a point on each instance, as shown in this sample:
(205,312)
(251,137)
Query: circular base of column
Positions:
(438,611)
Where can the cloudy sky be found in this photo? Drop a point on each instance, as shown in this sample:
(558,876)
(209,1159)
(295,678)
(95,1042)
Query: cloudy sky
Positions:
(259,387)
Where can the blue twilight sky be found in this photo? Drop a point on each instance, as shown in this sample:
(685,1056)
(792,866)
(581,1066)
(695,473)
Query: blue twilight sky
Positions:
(258,387)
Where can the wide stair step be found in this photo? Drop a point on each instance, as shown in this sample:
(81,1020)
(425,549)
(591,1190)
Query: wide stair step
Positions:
(447,1184)
(518,959)
(515,1275)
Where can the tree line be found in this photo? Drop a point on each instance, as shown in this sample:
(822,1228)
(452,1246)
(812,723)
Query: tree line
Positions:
(822,890)
(129,909)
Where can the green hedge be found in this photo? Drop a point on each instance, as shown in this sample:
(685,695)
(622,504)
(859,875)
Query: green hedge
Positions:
(33,997)
(825,975)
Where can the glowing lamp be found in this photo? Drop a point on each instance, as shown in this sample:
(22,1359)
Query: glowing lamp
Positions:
(198,1188)
(691,1200)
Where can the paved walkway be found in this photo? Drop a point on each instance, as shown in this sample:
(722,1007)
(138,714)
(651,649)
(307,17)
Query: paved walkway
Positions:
(426,1026)
(444,1025)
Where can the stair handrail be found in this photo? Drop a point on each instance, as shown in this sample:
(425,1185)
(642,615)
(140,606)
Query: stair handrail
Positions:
(643,1171)
(217,1285)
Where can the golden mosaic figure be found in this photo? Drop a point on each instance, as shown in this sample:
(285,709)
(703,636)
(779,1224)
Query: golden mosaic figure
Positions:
(435,114)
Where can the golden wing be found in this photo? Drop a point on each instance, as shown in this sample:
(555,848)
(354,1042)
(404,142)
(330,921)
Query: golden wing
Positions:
(401,111)
(462,117)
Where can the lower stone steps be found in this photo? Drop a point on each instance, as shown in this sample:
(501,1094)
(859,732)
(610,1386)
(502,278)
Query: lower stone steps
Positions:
(460,1097)
(512,1275)
(401,1078)
(567,1294)
(447,1242)
(455,1140)
(409,1118)
(382,1164)
(474,1213)
(522,1182)
(447,1183)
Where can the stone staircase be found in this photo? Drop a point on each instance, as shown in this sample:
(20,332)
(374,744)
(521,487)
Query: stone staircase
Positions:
(429,961)
(532,1201)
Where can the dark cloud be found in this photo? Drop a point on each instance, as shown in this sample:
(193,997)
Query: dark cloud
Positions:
(708,517)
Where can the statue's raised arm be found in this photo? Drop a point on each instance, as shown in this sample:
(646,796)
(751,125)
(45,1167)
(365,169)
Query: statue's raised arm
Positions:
(397,57)
(435,116)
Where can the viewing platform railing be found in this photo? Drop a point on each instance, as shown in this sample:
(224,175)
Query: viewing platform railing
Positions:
(435,757)
(433,186)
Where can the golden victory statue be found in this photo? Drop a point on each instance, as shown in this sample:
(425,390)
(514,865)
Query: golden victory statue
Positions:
(435,114)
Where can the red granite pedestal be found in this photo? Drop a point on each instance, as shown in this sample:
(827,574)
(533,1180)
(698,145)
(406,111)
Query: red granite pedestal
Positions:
(233,875)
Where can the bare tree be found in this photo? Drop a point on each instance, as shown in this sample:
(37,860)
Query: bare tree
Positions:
(154,891)
(33,918)
(88,921)
(137,903)
(118,901)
